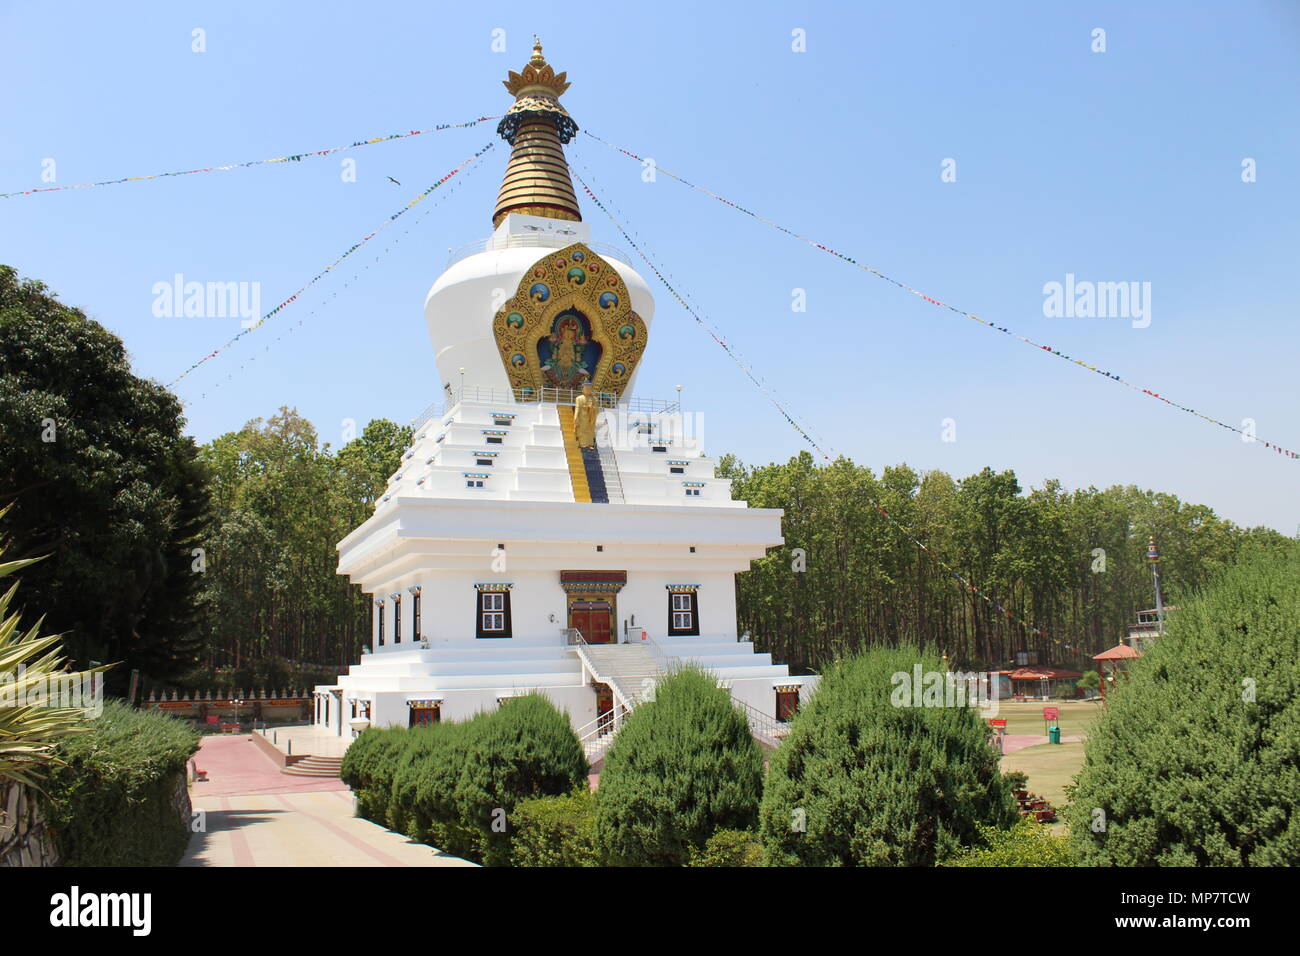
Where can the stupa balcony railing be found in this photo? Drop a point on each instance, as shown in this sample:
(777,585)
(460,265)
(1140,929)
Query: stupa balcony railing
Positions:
(486,395)
(530,240)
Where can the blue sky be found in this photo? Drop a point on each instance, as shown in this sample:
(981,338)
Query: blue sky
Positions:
(1123,165)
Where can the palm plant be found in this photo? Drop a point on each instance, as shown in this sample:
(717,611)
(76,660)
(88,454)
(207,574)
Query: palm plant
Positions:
(29,726)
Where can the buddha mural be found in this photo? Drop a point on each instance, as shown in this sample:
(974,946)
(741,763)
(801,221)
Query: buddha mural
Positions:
(569,323)
(568,354)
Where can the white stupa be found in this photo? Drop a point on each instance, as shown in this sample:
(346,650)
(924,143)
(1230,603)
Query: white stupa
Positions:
(505,558)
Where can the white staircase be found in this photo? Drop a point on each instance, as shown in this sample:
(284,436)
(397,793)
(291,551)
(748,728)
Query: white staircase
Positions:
(630,671)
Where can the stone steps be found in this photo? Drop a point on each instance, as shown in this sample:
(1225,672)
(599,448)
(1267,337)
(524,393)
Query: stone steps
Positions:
(577,470)
(625,667)
(315,767)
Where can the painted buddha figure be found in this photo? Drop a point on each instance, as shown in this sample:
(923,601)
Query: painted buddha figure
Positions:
(566,367)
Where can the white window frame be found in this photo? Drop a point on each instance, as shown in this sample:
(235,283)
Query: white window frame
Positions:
(682,614)
(492,609)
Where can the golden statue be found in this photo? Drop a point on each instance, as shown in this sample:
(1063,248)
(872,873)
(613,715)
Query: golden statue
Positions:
(585,411)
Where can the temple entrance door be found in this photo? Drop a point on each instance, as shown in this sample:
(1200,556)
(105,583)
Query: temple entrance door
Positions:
(580,618)
(593,619)
(601,625)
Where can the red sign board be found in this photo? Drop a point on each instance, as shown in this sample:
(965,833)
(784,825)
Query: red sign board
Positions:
(1051,713)
(999,723)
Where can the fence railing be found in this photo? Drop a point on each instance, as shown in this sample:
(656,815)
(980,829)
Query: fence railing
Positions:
(547,396)
(535,241)
(760,724)
(609,464)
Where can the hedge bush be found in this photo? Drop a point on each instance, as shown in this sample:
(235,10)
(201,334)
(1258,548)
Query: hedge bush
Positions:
(1196,759)
(404,776)
(555,831)
(454,784)
(112,802)
(1025,844)
(368,766)
(861,782)
(683,766)
(730,848)
(525,749)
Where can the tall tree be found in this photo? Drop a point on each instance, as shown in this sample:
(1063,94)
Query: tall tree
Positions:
(100,477)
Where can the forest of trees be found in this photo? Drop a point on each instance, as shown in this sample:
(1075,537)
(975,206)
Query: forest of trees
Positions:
(281,502)
(865,584)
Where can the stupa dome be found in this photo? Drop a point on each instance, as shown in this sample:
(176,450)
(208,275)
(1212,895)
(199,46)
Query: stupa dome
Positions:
(495,332)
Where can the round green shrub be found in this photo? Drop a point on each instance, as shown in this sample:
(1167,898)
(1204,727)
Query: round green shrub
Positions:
(860,781)
(1196,759)
(1025,844)
(453,785)
(368,766)
(525,749)
(730,848)
(429,789)
(425,753)
(555,831)
(683,766)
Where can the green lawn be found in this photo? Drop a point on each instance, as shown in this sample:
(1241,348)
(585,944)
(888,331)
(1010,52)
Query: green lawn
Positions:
(1027,718)
(1050,768)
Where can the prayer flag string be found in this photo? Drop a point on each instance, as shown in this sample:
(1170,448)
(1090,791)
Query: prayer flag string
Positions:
(884,512)
(292,158)
(1246,435)
(411,224)
(351,249)
(713,333)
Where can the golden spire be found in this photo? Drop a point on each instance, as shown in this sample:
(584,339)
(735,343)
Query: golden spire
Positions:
(537,177)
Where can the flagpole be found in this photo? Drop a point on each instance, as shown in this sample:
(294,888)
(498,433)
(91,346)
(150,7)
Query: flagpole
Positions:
(1153,556)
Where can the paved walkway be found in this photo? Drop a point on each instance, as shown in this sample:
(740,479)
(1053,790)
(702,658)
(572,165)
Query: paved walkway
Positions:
(237,765)
(306,739)
(256,816)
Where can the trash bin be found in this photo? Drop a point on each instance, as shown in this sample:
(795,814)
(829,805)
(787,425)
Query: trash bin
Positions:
(1054,734)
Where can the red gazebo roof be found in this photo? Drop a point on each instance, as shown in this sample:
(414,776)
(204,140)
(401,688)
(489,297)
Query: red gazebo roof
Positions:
(1043,673)
(1120,652)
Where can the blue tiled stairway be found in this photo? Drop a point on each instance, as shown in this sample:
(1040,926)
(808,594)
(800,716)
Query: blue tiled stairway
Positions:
(595,475)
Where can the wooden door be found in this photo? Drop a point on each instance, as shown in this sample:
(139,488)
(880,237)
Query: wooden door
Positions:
(580,618)
(600,625)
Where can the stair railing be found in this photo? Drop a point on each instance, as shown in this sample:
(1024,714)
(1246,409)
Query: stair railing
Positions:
(580,644)
(597,735)
(760,723)
(667,663)
(609,464)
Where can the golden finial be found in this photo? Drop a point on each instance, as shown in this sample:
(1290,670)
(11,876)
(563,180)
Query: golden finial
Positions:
(537,76)
(537,178)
